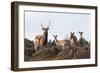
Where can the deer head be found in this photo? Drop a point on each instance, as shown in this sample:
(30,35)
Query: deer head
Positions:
(55,37)
(72,35)
(81,34)
(45,29)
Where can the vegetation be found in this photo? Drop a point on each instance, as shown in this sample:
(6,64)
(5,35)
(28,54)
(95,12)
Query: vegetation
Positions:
(52,52)
(28,43)
(28,49)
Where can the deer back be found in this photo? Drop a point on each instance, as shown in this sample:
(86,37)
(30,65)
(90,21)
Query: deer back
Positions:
(39,40)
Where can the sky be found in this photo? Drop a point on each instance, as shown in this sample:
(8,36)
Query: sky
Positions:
(61,24)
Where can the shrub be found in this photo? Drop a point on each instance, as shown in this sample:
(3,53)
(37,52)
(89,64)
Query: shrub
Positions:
(47,53)
(28,53)
(28,43)
(83,42)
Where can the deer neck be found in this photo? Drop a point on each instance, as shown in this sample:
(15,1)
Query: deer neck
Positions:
(45,38)
(81,36)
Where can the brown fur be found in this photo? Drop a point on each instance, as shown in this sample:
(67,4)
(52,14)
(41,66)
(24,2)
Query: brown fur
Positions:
(39,40)
(63,43)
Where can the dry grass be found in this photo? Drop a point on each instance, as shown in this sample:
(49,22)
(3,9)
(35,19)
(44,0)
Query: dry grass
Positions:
(54,53)
(51,52)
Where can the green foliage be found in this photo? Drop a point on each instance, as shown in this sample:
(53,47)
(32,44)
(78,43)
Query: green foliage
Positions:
(83,42)
(28,43)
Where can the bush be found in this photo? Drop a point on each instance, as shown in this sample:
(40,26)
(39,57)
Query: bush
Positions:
(28,53)
(47,53)
(83,42)
(28,43)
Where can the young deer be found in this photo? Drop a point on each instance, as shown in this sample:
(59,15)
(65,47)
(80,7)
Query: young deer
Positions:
(73,39)
(81,34)
(61,43)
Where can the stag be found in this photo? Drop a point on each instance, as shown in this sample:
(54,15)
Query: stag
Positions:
(61,43)
(41,40)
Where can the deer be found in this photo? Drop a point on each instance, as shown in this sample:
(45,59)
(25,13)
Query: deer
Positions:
(82,41)
(73,38)
(81,34)
(41,40)
(61,43)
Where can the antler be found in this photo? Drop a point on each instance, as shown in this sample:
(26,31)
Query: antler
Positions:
(42,25)
(47,26)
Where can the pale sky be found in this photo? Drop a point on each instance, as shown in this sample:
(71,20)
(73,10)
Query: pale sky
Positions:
(61,24)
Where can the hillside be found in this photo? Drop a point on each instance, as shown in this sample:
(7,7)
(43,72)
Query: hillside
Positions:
(51,52)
